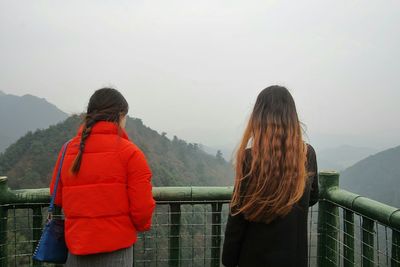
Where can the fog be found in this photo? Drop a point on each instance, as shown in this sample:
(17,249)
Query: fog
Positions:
(194,68)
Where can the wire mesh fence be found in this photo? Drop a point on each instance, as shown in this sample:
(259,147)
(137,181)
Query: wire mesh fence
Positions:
(312,236)
(182,234)
(21,230)
(190,232)
(359,240)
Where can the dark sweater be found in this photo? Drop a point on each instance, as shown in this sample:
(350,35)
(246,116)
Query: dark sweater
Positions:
(281,243)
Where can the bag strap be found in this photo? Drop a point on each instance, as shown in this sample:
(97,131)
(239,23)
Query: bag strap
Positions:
(51,206)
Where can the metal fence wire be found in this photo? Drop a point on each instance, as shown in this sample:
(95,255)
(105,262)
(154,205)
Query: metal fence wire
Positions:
(357,240)
(189,224)
(182,234)
(355,230)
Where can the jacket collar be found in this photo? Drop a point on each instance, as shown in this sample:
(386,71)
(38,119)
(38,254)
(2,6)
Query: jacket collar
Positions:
(106,127)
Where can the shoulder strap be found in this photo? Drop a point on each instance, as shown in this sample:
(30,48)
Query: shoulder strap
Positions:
(51,206)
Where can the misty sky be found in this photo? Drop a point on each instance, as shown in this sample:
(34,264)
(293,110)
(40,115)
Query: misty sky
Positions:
(194,68)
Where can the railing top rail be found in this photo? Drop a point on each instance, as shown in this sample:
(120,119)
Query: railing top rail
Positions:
(330,191)
(167,193)
(193,193)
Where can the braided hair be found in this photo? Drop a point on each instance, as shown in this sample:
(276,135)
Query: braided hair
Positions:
(106,104)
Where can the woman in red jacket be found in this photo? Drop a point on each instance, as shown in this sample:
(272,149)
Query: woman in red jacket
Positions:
(105,188)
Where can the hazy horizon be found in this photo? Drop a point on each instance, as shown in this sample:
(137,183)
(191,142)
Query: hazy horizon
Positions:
(194,69)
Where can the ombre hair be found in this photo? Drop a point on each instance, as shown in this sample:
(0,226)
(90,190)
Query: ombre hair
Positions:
(271,159)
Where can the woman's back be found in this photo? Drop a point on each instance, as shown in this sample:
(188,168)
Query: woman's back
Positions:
(105,189)
(282,242)
(275,182)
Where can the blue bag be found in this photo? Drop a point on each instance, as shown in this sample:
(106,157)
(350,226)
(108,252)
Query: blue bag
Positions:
(51,247)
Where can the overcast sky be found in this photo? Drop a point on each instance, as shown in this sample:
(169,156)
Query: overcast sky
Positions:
(194,68)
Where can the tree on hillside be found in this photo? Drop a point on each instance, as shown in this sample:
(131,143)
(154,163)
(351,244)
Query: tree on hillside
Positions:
(220,157)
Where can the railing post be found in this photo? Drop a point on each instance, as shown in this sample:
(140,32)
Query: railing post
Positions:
(328,222)
(348,238)
(3,222)
(3,236)
(174,240)
(367,242)
(36,230)
(216,234)
(395,248)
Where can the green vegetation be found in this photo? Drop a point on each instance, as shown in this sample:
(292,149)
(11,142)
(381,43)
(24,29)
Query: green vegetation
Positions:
(29,162)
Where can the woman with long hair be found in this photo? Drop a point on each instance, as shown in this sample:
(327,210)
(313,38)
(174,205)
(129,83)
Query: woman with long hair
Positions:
(105,188)
(276,182)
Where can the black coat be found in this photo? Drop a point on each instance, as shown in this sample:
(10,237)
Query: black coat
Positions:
(281,243)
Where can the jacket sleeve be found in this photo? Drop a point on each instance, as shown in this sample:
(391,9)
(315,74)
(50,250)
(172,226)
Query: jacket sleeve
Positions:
(141,202)
(58,200)
(313,168)
(234,235)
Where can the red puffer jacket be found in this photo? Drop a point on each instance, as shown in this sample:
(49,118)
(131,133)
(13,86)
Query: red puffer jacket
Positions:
(110,199)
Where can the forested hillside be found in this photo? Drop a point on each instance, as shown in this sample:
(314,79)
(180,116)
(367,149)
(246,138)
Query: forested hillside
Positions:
(28,163)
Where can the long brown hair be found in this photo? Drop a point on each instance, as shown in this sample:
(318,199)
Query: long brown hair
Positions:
(271,175)
(106,104)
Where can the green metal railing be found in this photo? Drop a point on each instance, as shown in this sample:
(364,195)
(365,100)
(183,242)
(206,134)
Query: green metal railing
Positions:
(186,231)
(188,225)
(355,230)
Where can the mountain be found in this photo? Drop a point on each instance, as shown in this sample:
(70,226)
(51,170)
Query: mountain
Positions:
(28,163)
(20,114)
(376,177)
(382,139)
(342,157)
